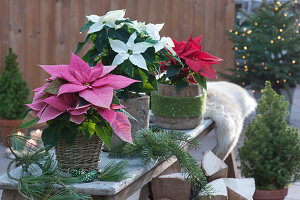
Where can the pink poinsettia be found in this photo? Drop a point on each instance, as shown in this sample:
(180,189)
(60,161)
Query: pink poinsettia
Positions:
(118,121)
(93,84)
(198,60)
(50,107)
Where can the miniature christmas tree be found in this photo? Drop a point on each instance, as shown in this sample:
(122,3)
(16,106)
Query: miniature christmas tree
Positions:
(13,91)
(266,47)
(271,151)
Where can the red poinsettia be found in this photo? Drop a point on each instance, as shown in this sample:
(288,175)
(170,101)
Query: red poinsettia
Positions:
(198,60)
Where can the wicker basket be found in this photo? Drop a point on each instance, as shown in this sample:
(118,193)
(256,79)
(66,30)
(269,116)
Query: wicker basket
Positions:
(81,154)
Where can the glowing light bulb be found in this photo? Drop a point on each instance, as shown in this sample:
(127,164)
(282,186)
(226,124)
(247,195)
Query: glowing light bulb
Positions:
(236,32)
(243,57)
(266,67)
(284,80)
(243,34)
(290,74)
(276,8)
(237,63)
(283,25)
(261,91)
(245,70)
(279,37)
(243,83)
(238,69)
(272,41)
(285,14)
(294,61)
(297,31)
(281,30)
(253,91)
(246,66)
(255,23)
(262,63)
(282,39)
(277,81)
(244,29)
(236,48)
(230,31)
(245,48)
(249,32)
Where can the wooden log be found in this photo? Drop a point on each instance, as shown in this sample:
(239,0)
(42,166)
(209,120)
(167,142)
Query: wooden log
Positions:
(240,189)
(219,191)
(171,186)
(213,167)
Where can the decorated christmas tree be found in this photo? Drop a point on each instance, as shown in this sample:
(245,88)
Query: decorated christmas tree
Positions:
(271,151)
(13,91)
(266,47)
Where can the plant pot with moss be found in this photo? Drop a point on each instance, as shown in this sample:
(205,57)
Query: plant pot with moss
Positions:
(179,102)
(136,49)
(13,95)
(82,112)
(271,150)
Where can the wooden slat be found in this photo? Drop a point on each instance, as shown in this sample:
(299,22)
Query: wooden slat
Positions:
(4,33)
(32,42)
(46,32)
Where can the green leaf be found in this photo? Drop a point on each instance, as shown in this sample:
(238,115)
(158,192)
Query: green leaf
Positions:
(127,67)
(172,70)
(86,26)
(53,87)
(26,112)
(88,129)
(115,100)
(69,133)
(104,133)
(51,135)
(181,84)
(141,75)
(201,80)
(101,40)
(81,44)
(29,123)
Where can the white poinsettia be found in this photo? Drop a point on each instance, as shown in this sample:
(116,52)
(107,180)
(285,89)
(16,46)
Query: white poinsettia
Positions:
(129,50)
(109,19)
(139,26)
(153,30)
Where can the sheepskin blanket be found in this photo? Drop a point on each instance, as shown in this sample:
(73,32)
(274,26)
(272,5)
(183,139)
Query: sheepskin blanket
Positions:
(228,105)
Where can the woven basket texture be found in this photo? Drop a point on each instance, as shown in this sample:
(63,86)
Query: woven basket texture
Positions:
(81,154)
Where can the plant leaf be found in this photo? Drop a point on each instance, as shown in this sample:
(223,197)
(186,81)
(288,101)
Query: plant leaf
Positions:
(172,70)
(104,133)
(81,44)
(29,123)
(100,40)
(51,135)
(88,129)
(86,26)
(201,80)
(127,67)
(53,87)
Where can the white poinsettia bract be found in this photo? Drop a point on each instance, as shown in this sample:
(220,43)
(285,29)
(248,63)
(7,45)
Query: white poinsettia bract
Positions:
(130,50)
(109,19)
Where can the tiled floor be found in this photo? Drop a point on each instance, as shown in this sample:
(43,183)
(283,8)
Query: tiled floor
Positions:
(207,143)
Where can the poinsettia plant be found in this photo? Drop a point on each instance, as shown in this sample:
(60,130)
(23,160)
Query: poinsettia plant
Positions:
(196,68)
(79,99)
(134,47)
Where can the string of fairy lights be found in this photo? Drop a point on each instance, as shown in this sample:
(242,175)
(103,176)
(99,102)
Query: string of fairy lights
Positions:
(242,64)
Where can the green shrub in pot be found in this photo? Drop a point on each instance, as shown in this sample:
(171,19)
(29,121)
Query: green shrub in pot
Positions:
(271,151)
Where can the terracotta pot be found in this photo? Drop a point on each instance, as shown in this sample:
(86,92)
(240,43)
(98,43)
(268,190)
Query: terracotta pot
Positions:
(270,194)
(181,123)
(7,126)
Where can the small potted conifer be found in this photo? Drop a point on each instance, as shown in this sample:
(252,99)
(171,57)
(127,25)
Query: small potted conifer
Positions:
(271,151)
(13,95)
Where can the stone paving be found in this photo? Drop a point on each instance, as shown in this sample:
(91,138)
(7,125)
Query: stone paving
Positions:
(206,144)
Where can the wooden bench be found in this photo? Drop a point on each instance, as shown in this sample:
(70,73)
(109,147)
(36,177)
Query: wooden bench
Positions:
(139,175)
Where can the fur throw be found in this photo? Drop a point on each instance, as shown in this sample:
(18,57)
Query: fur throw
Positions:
(228,105)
